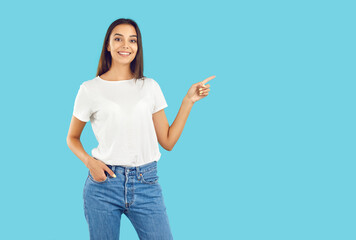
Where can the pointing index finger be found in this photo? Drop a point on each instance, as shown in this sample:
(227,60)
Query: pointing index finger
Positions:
(208,79)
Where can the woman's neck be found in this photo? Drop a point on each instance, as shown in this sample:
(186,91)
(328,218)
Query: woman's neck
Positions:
(119,72)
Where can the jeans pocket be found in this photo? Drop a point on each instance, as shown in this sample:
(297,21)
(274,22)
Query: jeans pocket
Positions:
(150,177)
(92,179)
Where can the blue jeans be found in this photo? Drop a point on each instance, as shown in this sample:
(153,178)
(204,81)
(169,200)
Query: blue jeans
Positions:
(135,192)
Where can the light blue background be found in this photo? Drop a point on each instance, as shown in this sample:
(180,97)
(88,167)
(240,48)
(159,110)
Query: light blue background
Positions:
(269,154)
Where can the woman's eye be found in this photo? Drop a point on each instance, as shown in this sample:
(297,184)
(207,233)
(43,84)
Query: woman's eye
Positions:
(120,39)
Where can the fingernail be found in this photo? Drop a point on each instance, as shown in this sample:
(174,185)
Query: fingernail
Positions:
(114,175)
(200,88)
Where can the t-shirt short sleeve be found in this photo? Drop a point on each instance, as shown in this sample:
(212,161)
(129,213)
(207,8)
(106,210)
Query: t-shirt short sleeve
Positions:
(158,97)
(82,104)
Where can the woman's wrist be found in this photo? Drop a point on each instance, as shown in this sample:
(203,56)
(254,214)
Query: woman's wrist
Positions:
(88,161)
(187,100)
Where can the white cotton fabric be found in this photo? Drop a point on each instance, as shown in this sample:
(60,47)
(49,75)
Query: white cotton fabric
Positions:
(120,113)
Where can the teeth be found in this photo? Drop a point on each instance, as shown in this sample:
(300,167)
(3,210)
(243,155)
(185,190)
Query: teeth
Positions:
(124,53)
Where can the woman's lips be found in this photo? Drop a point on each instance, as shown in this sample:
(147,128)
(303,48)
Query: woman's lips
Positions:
(124,55)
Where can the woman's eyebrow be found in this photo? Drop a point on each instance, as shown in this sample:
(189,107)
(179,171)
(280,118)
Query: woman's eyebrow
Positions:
(123,35)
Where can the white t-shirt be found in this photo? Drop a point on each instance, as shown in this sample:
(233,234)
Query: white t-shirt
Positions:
(120,113)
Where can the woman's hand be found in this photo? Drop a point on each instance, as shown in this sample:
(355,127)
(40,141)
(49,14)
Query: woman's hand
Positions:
(199,90)
(97,169)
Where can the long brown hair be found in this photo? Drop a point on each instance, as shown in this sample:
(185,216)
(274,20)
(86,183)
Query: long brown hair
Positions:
(136,65)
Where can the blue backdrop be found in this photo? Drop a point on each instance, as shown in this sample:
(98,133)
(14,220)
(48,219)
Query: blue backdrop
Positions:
(269,154)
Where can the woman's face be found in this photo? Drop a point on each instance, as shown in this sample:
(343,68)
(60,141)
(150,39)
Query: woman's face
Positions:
(123,43)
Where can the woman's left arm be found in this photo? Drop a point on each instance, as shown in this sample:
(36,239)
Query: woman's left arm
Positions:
(167,135)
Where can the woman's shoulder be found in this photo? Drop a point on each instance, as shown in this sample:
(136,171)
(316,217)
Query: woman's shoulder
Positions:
(148,80)
(89,84)
(151,80)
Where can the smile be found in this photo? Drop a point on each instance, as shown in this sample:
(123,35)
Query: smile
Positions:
(124,54)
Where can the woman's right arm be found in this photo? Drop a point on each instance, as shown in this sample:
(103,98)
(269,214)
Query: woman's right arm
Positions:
(95,166)
(73,141)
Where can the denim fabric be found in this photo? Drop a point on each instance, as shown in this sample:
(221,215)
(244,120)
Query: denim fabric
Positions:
(135,192)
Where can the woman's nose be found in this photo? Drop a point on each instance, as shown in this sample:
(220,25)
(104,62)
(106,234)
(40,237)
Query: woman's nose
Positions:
(125,44)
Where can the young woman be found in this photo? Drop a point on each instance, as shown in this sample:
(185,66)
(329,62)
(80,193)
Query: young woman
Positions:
(126,112)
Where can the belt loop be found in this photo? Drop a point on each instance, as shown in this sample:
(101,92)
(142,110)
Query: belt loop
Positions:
(113,168)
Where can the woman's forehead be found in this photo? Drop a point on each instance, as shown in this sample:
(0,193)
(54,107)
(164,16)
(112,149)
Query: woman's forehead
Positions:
(124,29)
